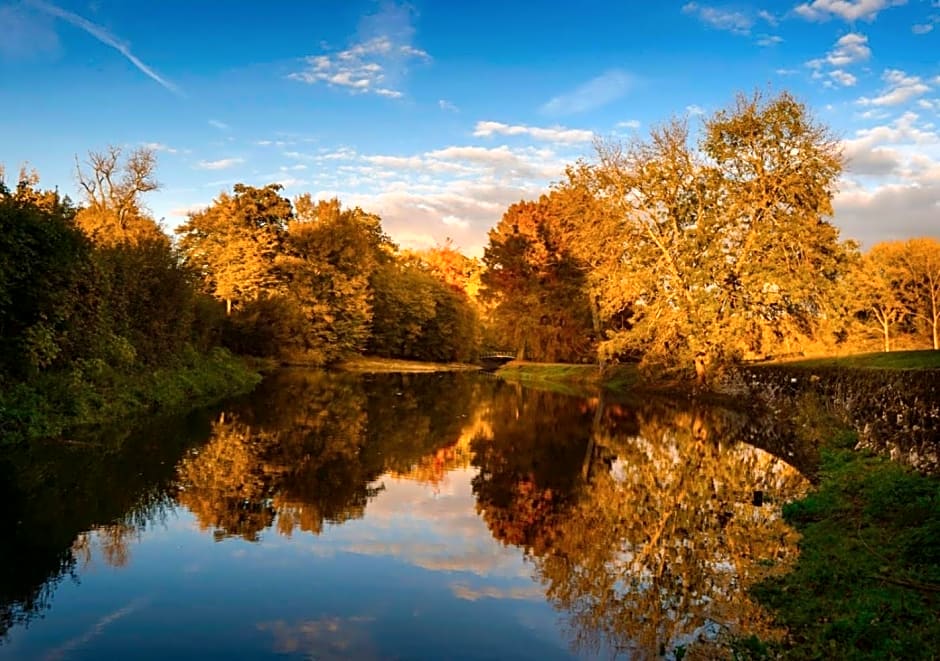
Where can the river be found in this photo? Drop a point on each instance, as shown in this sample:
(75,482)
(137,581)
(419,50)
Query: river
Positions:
(431,516)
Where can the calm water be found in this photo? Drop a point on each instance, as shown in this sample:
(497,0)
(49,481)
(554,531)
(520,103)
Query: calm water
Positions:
(397,516)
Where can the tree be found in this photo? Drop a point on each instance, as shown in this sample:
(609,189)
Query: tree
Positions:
(876,289)
(535,285)
(920,265)
(330,257)
(113,211)
(418,315)
(234,243)
(453,267)
(49,287)
(726,249)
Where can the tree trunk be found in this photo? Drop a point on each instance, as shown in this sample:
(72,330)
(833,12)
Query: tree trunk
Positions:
(228,307)
(596,323)
(887,337)
(701,368)
(595,432)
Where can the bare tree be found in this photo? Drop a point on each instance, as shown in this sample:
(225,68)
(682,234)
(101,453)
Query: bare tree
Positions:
(112,185)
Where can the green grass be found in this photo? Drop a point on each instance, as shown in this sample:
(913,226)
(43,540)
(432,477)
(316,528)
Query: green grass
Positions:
(94,393)
(570,379)
(867,584)
(894,360)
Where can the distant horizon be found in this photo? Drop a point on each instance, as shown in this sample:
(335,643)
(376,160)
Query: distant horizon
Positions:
(437,118)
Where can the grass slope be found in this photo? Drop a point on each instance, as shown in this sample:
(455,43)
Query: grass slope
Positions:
(867,584)
(94,393)
(570,379)
(891,360)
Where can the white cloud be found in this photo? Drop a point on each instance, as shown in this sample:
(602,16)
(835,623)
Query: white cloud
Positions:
(891,186)
(769,40)
(553,134)
(900,89)
(375,63)
(720,18)
(184,212)
(695,110)
(847,10)
(340,154)
(597,92)
(159,146)
(890,212)
(104,37)
(849,49)
(454,221)
(222,126)
(843,77)
(221,164)
(290,182)
(922,28)
(770,18)
(444,104)
(629,124)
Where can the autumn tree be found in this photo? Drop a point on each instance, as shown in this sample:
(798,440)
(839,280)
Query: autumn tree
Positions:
(919,265)
(535,285)
(453,267)
(876,290)
(419,315)
(726,249)
(233,244)
(329,258)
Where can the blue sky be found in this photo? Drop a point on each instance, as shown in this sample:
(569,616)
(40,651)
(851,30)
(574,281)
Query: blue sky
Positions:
(437,115)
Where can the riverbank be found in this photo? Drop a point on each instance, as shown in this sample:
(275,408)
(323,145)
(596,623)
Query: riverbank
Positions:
(867,582)
(94,393)
(376,365)
(570,379)
(868,579)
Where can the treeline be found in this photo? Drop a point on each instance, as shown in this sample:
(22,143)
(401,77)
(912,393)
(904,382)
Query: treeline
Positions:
(311,281)
(691,255)
(102,314)
(98,316)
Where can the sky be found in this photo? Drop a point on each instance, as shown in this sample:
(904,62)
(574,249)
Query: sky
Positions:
(437,115)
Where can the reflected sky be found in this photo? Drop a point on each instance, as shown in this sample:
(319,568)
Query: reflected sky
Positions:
(432,516)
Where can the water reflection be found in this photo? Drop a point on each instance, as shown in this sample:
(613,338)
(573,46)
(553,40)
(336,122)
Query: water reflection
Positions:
(432,500)
(652,544)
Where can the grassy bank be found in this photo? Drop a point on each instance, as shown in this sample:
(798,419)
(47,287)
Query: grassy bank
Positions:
(867,584)
(372,364)
(570,379)
(892,360)
(95,393)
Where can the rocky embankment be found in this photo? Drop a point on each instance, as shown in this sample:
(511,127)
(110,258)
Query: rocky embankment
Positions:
(895,412)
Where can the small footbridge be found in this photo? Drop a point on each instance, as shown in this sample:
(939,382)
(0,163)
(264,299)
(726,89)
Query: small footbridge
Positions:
(492,360)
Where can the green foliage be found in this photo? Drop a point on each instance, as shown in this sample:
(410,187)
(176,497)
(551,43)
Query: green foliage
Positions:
(329,258)
(48,297)
(93,330)
(867,584)
(96,392)
(417,315)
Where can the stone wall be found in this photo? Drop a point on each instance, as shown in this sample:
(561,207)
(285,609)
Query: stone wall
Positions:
(896,412)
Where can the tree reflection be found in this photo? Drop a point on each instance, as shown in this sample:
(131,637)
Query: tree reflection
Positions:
(529,463)
(311,445)
(654,535)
